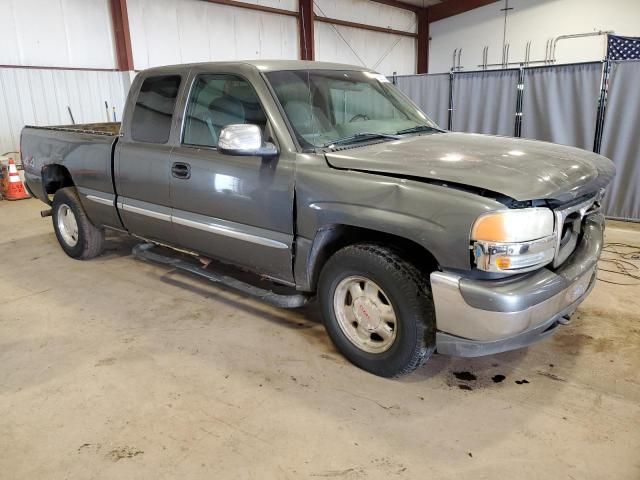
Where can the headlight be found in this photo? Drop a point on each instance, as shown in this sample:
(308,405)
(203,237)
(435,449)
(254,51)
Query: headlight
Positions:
(514,241)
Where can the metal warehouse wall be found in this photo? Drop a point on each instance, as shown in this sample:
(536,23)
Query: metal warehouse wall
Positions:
(379,51)
(179,31)
(75,38)
(165,32)
(73,34)
(62,33)
(535,21)
(41,97)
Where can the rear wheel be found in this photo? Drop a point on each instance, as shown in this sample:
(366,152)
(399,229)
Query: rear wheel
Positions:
(378,309)
(77,236)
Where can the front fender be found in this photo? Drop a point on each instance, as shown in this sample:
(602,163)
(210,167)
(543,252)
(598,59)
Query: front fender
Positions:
(437,217)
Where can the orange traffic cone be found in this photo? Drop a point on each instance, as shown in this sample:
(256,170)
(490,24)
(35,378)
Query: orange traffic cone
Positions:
(13,188)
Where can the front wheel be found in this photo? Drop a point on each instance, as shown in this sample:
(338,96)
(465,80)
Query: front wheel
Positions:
(77,236)
(378,309)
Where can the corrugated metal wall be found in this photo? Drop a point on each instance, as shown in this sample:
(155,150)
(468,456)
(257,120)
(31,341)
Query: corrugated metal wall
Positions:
(78,34)
(60,33)
(165,32)
(41,97)
(383,52)
(177,31)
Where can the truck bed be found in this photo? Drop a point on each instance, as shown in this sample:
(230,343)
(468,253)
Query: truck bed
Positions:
(53,154)
(106,128)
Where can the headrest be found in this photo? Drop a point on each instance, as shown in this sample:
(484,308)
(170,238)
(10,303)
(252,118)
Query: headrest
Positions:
(227,110)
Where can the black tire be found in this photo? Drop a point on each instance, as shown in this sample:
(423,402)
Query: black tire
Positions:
(409,294)
(90,239)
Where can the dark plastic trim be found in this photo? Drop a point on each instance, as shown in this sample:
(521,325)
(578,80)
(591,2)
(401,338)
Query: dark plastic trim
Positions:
(144,251)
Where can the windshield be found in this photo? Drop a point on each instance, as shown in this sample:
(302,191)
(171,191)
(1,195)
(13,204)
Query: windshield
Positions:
(327,106)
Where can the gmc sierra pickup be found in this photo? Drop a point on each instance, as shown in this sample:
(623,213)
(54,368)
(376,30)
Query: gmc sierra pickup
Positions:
(326,179)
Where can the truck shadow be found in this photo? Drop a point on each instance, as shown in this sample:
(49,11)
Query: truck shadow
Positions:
(306,319)
(117,245)
(465,374)
(298,318)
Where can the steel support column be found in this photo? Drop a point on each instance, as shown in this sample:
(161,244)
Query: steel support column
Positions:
(122,37)
(305,29)
(423,41)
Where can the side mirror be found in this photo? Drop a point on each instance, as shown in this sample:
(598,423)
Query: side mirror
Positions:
(245,140)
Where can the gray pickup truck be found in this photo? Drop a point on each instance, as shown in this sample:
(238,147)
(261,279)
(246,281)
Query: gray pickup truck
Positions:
(324,178)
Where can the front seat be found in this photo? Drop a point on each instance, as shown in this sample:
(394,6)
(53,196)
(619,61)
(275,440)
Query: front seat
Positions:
(309,122)
(223,111)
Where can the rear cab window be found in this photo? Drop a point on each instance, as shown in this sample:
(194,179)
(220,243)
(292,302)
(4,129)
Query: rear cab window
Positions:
(154,108)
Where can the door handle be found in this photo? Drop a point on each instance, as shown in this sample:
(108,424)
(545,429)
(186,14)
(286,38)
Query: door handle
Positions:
(181,170)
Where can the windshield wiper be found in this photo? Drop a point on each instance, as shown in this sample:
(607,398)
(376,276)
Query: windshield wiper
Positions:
(416,129)
(359,137)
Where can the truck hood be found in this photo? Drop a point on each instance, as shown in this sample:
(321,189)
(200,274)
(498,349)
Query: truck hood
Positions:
(520,169)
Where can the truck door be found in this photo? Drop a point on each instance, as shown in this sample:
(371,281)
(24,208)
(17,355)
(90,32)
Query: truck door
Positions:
(237,209)
(142,158)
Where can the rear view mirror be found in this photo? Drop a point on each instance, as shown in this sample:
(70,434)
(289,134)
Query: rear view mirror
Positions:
(245,140)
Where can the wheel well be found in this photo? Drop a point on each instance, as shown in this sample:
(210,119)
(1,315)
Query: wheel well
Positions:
(55,177)
(332,239)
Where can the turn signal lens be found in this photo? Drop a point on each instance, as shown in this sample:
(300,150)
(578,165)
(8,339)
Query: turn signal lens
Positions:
(503,263)
(513,225)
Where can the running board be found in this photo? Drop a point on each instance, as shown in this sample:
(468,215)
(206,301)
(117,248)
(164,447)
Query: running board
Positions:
(144,251)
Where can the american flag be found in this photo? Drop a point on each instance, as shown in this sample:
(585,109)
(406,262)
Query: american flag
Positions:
(623,48)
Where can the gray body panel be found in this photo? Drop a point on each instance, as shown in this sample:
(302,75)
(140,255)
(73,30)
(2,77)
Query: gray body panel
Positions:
(520,169)
(238,209)
(141,175)
(436,217)
(86,156)
(142,178)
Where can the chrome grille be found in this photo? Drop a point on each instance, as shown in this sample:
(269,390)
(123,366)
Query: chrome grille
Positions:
(568,225)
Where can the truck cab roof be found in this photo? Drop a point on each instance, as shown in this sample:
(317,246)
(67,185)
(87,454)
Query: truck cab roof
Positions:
(262,65)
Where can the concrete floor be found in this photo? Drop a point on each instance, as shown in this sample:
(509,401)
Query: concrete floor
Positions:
(114,368)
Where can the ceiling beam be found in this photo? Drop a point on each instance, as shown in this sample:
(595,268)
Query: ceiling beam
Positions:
(47,67)
(449,8)
(399,4)
(253,6)
(363,26)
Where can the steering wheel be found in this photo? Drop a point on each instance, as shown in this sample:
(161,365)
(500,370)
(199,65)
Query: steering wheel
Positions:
(359,118)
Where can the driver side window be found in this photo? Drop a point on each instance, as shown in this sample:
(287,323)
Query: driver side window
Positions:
(217,101)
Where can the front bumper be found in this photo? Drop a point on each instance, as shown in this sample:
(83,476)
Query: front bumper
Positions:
(482,317)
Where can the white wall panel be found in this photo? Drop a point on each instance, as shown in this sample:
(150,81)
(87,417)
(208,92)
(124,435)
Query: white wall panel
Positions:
(78,33)
(41,97)
(370,13)
(535,20)
(166,32)
(382,52)
(62,33)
